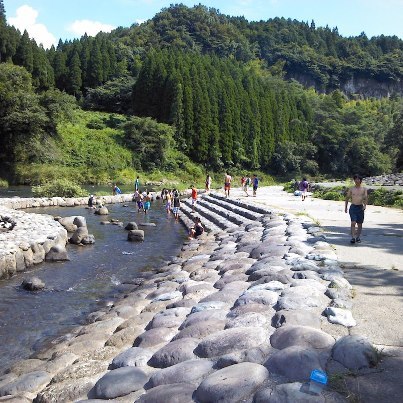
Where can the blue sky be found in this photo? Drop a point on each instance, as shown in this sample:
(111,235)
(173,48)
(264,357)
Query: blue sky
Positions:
(48,20)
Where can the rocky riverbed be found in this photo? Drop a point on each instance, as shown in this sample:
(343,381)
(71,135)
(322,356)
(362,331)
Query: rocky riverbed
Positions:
(244,313)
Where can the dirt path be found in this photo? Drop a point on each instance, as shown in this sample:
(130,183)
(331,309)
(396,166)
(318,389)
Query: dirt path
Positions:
(375,270)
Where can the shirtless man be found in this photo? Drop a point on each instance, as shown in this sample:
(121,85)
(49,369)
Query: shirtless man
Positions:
(359,197)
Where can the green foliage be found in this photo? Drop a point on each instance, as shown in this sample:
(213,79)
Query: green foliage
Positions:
(3,183)
(385,197)
(59,187)
(333,195)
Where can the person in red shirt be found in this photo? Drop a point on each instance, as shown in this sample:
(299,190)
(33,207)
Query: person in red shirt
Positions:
(194,197)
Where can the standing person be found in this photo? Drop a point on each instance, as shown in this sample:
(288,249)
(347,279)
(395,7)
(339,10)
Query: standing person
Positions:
(168,203)
(194,198)
(91,201)
(247,184)
(303,187)
(147,203)
(137,184)
(116,190)
(138,198)
(255,184)
(243,181)
(208,183)
(176,204)
(227,183)
(359,198)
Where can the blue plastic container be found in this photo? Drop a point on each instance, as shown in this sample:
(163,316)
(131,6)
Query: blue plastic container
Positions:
(318,381)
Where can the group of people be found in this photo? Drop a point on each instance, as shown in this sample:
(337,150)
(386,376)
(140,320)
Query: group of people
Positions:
(172,201)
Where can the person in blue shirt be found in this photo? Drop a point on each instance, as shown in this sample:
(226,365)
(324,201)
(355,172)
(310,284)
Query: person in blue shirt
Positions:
(116,190)
(255,184)
(137,184)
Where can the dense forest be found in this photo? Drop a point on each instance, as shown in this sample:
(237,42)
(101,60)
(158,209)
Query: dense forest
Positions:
(192,85)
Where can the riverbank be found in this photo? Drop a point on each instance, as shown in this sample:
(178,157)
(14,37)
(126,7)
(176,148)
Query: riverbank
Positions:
(246,298)
(34,235)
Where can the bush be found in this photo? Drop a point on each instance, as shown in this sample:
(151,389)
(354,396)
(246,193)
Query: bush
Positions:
(383,197)
(3,183)
(59,188)
(333,195)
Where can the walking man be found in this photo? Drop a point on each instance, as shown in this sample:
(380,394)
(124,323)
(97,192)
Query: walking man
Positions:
(359,197)
(255,184)
(227,183)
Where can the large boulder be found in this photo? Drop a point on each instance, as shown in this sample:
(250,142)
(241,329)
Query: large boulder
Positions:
(33,284)
(131,226)
(80,221)
(79,234)
(101,211)
(57,253)
(135,235)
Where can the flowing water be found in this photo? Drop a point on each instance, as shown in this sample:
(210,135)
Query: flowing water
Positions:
(95,274)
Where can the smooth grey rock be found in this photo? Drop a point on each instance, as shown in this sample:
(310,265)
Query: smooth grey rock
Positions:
(101,211)
(119,382)
(88,240)
(78,235)
(226,297)
(153,337)
(210,305)
(271,285)
(191,371)
(265,297)
(30,382)
(283,276)
(341,303)
(33,284)
(201,329)
(57,253)
(67,223)
(79,221)
(302,297)
(132,357)
(302,336)
(355,352)
(202,316)
(257,355)
(340,282)
(295,363)
(135,235)
(131,225)
(172,393)
(229,340)
(290,393)
(232,384)
(174,352)
(252,319)
(340,316)
(170,321)
(252,307)
(296,317)
(168,296)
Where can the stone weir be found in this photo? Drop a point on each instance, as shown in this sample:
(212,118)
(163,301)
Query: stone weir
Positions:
(244,313)
(31,237)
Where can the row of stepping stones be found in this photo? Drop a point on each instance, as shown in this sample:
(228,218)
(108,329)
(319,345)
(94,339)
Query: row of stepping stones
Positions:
(237,316)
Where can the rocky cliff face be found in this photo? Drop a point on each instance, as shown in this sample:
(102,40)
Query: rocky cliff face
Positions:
(366,87)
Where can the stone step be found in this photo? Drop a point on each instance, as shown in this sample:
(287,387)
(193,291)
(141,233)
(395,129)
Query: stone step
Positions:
(187,217)
(242,211)
(211,216)
(239,203)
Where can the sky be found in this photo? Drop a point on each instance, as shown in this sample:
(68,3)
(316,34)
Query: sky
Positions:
(47,21)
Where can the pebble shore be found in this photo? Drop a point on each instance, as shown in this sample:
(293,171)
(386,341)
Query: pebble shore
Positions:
(242,314)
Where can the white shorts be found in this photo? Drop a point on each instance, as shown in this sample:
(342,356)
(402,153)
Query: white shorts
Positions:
(194,201)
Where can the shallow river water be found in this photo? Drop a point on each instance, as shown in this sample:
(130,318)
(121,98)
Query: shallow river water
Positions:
(95,274)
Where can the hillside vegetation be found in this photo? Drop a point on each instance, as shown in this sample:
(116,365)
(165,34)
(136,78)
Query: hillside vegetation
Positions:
(192,90)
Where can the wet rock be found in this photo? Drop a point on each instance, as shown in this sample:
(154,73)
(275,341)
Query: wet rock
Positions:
(101,211)
(131,226)
(119,382)
(135,235)
(80,221)
(78,235)
(88,240)
(57,253)
(232,384)
(33,284)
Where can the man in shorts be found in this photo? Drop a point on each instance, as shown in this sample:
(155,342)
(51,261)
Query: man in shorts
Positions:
(359,197)
(227,183)
(194,198)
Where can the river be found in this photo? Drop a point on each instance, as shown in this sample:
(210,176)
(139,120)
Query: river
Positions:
(94,275)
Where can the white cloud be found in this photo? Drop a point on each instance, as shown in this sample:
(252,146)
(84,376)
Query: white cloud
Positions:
(91,28)
(25,19)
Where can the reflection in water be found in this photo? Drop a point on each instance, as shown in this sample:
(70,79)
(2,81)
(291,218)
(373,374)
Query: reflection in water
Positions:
(95,274)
